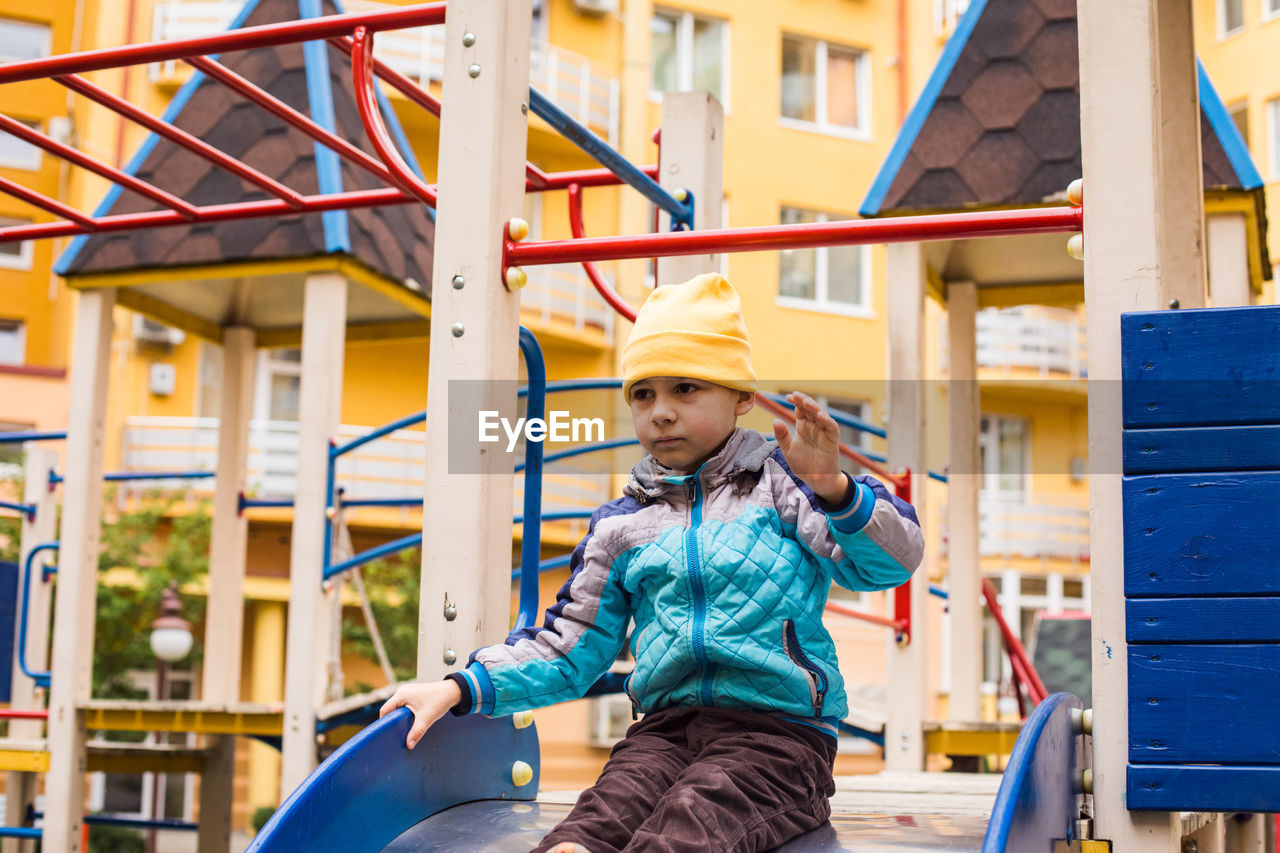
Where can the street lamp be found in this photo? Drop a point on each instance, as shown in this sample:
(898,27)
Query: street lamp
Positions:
(171,641)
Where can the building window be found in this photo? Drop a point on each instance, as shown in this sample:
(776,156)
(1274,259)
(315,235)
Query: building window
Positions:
(1270,8)
(831,277)
(13,342)
(21,40)
(1003,444)
(1273,136)
(1240,116)
(279,385)
(1230,16)
(16,254)
(946,14)
(824,85)
(17,153)
(690,54)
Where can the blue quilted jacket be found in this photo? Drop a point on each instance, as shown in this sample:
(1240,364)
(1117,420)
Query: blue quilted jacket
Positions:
(725,573)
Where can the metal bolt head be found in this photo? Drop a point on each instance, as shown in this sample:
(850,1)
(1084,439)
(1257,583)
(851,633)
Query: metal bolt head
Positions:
(474,70)
(524,108)
(468,39)
(459,330)
(516,278)
(517,228)
(681,195)
(1174,304)
(450,657)
(458,282)
(450,612)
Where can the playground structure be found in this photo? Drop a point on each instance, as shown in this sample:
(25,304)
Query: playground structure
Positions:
(475,336)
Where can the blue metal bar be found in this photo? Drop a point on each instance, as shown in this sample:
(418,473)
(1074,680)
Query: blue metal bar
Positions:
(557,385)
(19,437)
(934,589)
(560,515)
(593,145)
(531,539)
(20,832)
(132,822)
(247,503)
(29,510)
(406,421)
(42,679)
(857,731)
(404,543)
(837,415)
(548,565)
(410,501)
(330,474)
(127,476)
(586,448)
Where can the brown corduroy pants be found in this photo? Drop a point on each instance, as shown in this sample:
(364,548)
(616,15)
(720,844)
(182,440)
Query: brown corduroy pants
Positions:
(704,779)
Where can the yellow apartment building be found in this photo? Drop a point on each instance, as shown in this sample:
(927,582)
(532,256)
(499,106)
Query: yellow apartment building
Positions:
(814,93)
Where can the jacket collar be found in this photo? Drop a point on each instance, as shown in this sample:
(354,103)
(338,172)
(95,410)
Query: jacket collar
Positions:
(745,451)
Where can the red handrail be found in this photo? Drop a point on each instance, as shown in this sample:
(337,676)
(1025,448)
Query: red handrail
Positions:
(1024,671)
(12,714)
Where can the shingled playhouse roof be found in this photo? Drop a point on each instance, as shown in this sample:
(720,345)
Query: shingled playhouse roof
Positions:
(998,122)
(315,79)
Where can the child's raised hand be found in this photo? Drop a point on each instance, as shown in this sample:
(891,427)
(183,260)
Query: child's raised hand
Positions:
(428,700)
(813,452)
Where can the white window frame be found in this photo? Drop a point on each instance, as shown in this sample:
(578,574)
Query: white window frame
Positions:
(991,439)
(1268,12)
(820,124)
(269,366)
(21,342)
(47,31)
(25,258)
(821,269)
(684,53)
(33,161)
(1221,7)
(1272,108)
(947,13)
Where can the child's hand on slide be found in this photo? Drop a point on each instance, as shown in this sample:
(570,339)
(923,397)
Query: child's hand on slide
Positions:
(429,701)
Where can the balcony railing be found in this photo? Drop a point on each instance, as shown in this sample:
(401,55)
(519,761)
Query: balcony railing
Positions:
(1009,525)
(562,293)
(1029,342)
(390,467)
(563,76)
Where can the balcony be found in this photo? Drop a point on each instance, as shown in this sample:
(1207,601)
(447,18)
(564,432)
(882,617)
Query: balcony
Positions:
(1010,526)
(1030,342)
(390,467)
(563,76)
(559,298)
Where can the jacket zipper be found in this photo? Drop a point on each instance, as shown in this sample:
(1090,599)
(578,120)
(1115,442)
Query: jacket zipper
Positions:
(699,592)
(818,678)
(626,688)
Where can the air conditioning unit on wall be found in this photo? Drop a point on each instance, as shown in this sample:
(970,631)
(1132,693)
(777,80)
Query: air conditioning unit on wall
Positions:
(596,8)
(146,330)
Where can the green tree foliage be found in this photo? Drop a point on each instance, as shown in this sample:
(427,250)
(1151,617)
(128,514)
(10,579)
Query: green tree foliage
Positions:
(393,585)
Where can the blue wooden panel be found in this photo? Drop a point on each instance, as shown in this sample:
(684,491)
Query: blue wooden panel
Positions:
(1234,448)
(1204,704)
(1201,367)
(1209,789)
(1036,802)
(372,788)
(1202,534)
(8,612)
(1202,620)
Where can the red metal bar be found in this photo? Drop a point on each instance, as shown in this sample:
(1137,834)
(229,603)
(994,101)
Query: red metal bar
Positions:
(43,202)
(395,79)
(1013,646)
(845,451)
(11,714)
(71,155)
(280,109)
(181,137)
(944,226)
(371,116)
(267,35)
(865,617)
(210,213)
(593,273)
(902,486)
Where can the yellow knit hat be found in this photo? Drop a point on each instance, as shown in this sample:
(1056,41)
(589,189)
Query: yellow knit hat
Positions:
(693,329)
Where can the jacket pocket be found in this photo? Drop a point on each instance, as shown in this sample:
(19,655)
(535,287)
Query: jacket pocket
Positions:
(817,678)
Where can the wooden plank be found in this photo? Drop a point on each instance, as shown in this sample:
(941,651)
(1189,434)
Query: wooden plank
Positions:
(1201,534)
(1201,367)
(691,158)
(1219,789)
(1203,620)
(1254,447)
(1204,704)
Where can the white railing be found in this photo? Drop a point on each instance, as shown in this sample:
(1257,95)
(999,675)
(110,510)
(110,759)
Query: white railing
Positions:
(563,293)
(565,77)
(1029,341)
(390,467)
(1009,525)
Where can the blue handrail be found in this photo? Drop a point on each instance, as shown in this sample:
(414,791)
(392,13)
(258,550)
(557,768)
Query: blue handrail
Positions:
(20,832)
(29,510)
(129,476)
(19,437)
(586,448)
(580,136)
(42,679)
(531,540)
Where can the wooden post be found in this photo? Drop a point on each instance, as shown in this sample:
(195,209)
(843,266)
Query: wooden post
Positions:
(224,621)
(692,159)
(75,608)
(908,685)
(1228,261)
(964,478)
(319,410)
(466,520)
(20,788)
(1130,51)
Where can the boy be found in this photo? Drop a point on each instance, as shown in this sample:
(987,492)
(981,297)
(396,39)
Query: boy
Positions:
(722,551)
